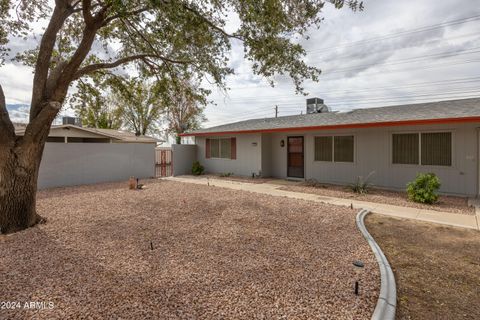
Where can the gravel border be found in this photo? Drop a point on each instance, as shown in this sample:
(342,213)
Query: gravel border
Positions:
(387,300)
(446,203)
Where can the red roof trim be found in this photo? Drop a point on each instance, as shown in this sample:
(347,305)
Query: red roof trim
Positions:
(344,126)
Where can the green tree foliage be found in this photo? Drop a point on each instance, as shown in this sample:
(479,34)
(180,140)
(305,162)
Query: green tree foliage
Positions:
(185,101)
(140,105)
(93,102)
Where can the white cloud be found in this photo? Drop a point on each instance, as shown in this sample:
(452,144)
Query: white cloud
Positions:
(357,73)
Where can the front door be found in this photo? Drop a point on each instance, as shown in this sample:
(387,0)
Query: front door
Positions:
(295,163)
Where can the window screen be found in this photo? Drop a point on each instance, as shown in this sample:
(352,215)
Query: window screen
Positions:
(343,149)
(437,149)
(323,148)
(214,148)
(225,148)
(405,148)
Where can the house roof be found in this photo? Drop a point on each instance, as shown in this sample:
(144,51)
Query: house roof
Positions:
(126,136)
(118,135)
(464,110)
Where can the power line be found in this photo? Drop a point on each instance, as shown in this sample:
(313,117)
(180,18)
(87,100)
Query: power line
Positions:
(342,57)
(429,42)
(402,33)
(408,60)
(360,101)
(297,112)
(347,95)
(371,89)
(425,67)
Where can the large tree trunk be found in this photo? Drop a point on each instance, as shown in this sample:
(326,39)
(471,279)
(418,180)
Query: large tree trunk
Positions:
(18,186)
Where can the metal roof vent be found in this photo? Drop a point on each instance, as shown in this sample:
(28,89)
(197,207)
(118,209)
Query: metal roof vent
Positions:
(316,105)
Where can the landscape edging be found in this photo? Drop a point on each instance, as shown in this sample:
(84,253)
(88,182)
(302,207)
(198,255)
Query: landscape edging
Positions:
(387,300)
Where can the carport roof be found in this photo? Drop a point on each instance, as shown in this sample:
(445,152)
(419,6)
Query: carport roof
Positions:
(463,110)
(116,135)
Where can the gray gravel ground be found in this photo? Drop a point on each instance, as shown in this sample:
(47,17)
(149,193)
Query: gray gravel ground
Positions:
(217,254)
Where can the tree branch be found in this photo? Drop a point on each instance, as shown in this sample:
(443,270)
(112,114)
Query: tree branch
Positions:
(7,130)
(60,14)
(211,24)
(109,65)
(38,128)
(87,15)
(127,14)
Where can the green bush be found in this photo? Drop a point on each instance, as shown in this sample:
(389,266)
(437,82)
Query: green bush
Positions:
(226,174)
(424,188)
(197,168)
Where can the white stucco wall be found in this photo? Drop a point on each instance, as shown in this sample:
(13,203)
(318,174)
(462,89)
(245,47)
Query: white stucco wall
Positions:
(248,156)
(67,164)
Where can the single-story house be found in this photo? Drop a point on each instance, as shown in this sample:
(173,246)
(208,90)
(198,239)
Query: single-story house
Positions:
(394,142)
(76,155)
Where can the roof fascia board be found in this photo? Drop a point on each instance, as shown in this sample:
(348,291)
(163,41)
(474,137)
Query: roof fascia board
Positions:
(343,126)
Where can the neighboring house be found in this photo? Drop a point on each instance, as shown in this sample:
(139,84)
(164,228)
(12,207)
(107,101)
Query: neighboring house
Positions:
(335,147)
(74,155)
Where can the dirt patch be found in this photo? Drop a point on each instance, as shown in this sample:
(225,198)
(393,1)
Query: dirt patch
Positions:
(449,204)
(217,254)
(437,268)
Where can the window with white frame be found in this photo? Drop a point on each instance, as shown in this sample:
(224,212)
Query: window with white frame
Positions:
(426,148)
(334,148)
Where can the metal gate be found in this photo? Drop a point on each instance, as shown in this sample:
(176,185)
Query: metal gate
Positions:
(163,162)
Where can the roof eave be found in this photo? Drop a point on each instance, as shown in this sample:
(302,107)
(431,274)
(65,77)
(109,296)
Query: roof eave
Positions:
(340,126)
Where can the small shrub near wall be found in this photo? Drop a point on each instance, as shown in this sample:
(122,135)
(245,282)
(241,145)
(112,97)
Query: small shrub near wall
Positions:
(197,168)
(424,188)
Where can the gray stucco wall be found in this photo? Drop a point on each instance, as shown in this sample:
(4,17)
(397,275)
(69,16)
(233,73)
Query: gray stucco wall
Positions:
(373,153)
(67,164)
(266,155)
(249,156)
(183,157)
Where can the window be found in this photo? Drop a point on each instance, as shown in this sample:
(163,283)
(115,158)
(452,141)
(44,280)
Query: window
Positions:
(428,149)
(334,148)
(215,148)
(323,148)
(437,149)
(405,148)
(224,148)
(343,149)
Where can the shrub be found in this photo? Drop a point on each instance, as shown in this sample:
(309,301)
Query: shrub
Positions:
(424,188)
(362,185)
(312,183)
(197,168)
(226,174)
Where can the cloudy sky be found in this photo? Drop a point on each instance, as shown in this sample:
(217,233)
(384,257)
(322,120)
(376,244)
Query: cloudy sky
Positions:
(394,52)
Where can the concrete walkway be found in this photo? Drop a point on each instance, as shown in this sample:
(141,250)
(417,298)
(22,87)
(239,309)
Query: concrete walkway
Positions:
(451,219)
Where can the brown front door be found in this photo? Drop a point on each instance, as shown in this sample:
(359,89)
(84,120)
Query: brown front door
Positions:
(295,163)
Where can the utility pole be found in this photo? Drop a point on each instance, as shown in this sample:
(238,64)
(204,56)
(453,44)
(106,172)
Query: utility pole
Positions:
(276,111)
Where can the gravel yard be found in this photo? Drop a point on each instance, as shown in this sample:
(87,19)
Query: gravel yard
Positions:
(446,203)
(217,254)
